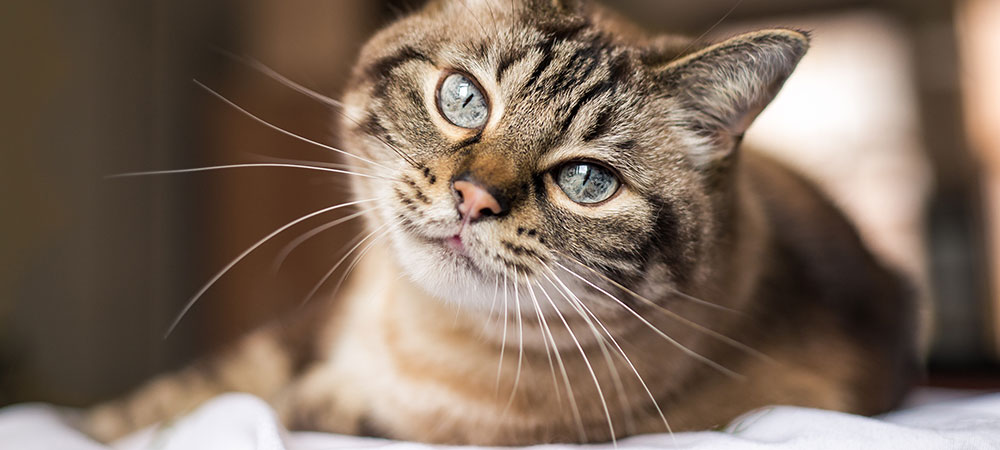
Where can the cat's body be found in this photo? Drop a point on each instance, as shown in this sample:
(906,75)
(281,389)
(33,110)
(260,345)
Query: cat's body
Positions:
(536,307)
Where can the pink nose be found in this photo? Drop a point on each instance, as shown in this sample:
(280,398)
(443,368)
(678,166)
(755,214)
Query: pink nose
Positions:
(474,201)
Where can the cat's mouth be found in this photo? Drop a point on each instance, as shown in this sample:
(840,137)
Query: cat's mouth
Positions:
(455,244)
(454,247)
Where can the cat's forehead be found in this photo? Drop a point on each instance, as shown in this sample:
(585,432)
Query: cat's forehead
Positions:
(551,79)
(562,87)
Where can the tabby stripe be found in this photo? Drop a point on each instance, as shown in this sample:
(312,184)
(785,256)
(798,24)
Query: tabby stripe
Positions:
(373,127)
(562,31)
(466,145)
(542,65)
(591,94)
(575,71)
(601,125)
(508,61)
(385,65)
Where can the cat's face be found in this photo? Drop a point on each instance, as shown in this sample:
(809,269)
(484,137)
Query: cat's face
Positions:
(518,140)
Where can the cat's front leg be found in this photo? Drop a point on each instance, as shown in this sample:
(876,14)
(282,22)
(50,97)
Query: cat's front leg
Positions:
(260,364)
(323,399)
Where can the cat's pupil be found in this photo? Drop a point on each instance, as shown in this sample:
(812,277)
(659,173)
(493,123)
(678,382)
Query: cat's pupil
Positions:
(586,182)
(461,102)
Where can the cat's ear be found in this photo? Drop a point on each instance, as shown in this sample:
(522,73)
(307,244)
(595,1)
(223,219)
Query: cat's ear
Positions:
(723,87)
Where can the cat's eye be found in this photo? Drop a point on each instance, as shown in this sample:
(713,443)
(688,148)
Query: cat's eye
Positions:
(586,182)
(462,102)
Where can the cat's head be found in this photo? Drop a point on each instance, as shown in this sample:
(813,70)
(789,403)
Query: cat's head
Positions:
(522,138)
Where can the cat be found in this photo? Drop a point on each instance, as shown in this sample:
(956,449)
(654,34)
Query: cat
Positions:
(568,244)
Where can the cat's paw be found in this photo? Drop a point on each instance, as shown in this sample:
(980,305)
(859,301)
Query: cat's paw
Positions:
(161,400)
(105,423)
(320,401)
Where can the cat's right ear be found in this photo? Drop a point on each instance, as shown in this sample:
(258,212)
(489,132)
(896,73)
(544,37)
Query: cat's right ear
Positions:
(723,87)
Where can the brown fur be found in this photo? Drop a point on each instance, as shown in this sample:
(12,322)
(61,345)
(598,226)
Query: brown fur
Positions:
(722,279)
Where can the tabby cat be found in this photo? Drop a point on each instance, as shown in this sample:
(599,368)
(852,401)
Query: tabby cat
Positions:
(567,244)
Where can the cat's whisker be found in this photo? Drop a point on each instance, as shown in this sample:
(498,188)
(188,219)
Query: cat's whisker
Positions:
(243,166)
(577,305)
(672,289)
(489,319)
(494,21)
(357,260)
(256,118)
(565,376)
(474,17)
(331,165)
(520,343)
(399,152)
(715,334)
(614,341)
(295,243)
(593,375)
(725,16)
(190,303)
(276,76)
(337,105)
(673,341)
(503,340)
(545,341)
(337,265)
(496,292)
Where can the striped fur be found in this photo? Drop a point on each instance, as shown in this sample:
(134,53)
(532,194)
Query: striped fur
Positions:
(715,281)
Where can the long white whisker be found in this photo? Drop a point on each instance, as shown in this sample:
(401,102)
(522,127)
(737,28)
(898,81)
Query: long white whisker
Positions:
(247,165)
(354,264)
(503,340)
(333,269)
(274,75)
(635,371)
(562,368)
(284,131)
(291,246)
(545,340)
(593,375)
(332,165)
(253,247)
(520,333)
(337,105)
(520,343)
(676,291)
(582,310)
(493,304)
(715,334)
(673,341)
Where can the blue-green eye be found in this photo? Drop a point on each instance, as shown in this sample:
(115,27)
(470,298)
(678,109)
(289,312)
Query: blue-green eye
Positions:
(461,102)
(587,183)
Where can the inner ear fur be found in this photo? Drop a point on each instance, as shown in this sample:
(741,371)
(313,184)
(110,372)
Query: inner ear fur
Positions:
(723,87)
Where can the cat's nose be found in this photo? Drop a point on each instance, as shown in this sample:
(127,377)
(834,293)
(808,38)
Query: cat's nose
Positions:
(474,201)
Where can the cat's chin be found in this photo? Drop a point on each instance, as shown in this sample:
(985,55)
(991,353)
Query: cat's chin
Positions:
(445,269)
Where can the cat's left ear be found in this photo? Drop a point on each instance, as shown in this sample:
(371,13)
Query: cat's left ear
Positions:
(723,87)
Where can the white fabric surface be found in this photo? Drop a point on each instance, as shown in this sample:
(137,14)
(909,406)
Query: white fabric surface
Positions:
(243,422)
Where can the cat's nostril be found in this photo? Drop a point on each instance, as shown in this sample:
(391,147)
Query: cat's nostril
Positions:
(474,201)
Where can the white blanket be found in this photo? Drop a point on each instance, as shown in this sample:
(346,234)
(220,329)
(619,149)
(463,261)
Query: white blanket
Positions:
(243,422)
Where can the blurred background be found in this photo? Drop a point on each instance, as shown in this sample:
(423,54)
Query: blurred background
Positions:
(895,111)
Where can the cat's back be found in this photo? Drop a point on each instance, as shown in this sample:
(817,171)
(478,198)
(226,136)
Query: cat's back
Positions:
(822,282)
